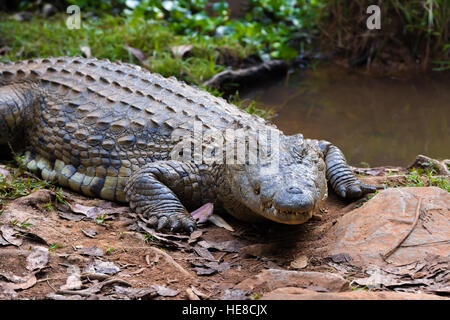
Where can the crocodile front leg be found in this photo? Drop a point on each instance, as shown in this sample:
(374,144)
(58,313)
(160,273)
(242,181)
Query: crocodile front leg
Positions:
(155,191)
(339,174)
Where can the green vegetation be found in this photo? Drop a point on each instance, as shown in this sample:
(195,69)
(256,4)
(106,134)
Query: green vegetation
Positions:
(54,246)
(271,29)
(23,225)
(20,183)
(420,26)
(256,296)
(148,238)
(148,32)
(426,178)
(100,219)
(370,196)
(419,177)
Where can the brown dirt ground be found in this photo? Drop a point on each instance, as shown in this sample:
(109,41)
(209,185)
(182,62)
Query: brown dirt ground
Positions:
(267,245)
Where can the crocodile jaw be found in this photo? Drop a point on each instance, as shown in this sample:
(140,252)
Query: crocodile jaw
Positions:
(288,217)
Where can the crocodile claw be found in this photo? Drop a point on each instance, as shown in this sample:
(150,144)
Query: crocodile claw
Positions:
(188,224)
(356,190)
(162,223)
(173,223)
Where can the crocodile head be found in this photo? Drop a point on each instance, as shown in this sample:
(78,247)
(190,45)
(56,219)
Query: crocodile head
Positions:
(285,187)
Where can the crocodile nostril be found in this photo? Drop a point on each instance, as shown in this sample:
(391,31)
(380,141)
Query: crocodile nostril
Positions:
(294,190)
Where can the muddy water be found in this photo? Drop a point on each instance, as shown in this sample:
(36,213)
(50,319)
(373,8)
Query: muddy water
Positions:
(376,121)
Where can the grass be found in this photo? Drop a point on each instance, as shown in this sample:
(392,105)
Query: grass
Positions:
(21,183)
(420,26)
(426,178)
(108,38)
(23,225)
(270,30)
(417,178)
(54,246)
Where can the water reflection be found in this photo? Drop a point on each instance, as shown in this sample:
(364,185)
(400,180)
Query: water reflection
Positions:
(380,121)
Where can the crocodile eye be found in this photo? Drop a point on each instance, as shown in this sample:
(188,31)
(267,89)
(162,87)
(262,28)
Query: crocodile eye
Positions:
(257,190)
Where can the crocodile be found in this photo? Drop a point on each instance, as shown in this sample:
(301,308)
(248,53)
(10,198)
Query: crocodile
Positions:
(107,129)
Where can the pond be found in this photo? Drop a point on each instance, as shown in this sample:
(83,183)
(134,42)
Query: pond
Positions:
(376,121)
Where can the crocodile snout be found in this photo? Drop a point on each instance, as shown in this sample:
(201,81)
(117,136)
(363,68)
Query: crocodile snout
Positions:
(293,200)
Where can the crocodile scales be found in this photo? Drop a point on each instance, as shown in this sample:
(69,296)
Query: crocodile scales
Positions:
(105,130)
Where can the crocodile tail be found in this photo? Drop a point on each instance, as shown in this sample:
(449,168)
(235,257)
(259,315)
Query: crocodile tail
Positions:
(14,101)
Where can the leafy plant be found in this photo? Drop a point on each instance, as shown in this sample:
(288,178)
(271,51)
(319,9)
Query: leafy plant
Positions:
(100,219)
(422,178)
(54,246)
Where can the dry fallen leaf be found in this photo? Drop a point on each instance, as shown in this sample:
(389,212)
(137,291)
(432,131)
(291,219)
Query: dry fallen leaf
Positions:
(165,292)
(181,50)
(195,236)
(220,222)
(5,50)
(203,213)
(91,233)
(87,51)
(204,253)
(138,54)
(9,234)
(26,282)
(135,293)
(73,281)
(225,246)
(38,258)
(102,267)
(90,212)
(3,171)
(93,251)
(300,262)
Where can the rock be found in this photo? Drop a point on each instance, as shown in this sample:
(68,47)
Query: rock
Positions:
(290,293)
(271,279)
(376,227)
(427,163)
(36,199)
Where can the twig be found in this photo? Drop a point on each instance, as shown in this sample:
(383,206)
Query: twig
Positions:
(51,286)
(427,243)
(170,260)
(191,295)
(416,219)
(95,288)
